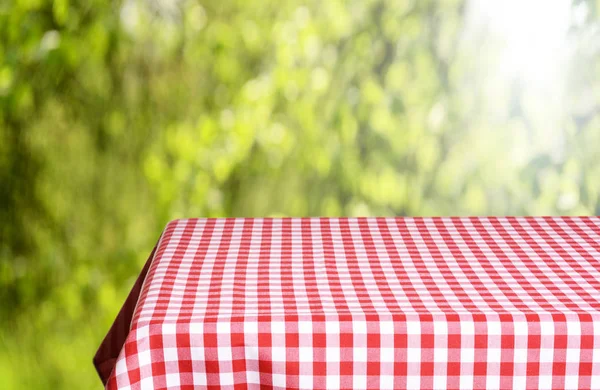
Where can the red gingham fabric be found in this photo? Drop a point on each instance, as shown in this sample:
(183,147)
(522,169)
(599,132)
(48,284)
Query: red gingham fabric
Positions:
(356,303)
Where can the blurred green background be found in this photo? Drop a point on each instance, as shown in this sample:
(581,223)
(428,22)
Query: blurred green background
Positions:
(118,116)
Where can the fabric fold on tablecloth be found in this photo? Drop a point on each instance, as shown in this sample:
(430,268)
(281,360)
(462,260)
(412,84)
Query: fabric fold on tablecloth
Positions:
(108,352)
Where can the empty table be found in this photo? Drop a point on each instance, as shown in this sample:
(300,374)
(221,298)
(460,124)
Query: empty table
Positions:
(355,303)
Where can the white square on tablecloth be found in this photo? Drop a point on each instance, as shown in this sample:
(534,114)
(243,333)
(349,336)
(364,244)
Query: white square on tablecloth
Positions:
(413,382)
(223,328)
(545,382)
(519,381)
(493,328)
(199,378)
(305,354)
(306,382)
(278,327)
(253,377)
(386,382)
(571,381)
(494,355)
(520,328)
(440,328)
(196,328)
(387,355)
(360,354)
(333,382)
(170,354)
(520,355)
(573,355)
(386,327)
(147,383)
(440,354)
(467,355)
(250,327)
(144,358)
(169,328)
(573,328)
(279,380)
(332,354)
(278,354)
(466,381)
(225,354)
(305,327)
(172,380)
(359,327)
(359,382)
(121,367)
(546,328)
(413,328)
(439,382)
(225,379)
(467,327)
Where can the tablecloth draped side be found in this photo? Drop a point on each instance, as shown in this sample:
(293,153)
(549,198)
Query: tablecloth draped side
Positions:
(370,303)
(108,352)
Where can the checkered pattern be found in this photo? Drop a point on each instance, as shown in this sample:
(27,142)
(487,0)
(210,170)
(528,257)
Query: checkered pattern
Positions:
(355,303)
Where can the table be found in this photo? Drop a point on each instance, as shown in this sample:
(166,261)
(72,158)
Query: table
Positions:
(418,303)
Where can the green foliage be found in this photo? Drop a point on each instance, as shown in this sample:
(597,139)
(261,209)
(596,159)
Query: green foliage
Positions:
(116,117)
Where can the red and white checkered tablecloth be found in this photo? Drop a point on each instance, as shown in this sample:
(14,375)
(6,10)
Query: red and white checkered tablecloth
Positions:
(355,303)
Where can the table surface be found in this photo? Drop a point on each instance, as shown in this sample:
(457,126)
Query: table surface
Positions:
(478,302)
